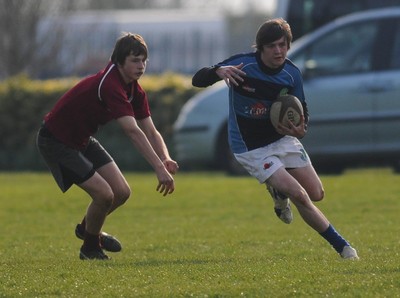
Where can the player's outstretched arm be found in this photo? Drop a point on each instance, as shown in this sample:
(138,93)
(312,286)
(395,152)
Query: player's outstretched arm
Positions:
(129,125)
(205,77)
(158,144)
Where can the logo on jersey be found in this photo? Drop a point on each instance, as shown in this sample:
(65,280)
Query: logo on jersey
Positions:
(283,92)
(249,89)
(257,110)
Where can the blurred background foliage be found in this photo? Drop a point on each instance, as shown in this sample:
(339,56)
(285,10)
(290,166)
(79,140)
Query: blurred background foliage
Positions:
(31,81)
(24,102)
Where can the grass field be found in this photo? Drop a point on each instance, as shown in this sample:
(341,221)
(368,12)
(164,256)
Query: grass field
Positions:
(216,236)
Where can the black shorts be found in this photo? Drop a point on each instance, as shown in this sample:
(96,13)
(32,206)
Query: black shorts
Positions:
(70,166)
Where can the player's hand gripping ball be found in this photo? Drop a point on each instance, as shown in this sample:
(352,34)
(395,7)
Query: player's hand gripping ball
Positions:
(284,109)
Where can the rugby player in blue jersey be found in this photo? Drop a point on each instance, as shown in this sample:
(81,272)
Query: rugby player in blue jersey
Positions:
(274,156)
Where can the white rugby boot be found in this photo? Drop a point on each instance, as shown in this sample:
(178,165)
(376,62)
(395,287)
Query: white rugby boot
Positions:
(282,205)
(349,253)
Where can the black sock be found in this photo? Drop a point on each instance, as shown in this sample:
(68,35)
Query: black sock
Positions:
(91,242)
(83,223)
(82,226)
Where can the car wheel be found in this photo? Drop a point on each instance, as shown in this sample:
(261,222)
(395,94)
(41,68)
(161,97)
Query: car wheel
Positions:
(396,167)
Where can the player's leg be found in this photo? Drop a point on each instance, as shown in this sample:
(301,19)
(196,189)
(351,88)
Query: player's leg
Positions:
(120,191)
(106,169)
(308,178)
(311,183)
(261,163)
(285,183)
(70,166)
(120,187)
(288,184)
(102,197)
(109,171)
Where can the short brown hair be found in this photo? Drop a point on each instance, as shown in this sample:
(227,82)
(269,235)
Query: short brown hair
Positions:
(126,45)
(273,30)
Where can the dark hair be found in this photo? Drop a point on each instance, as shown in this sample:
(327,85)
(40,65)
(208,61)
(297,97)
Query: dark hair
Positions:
(271,31)
(126,45)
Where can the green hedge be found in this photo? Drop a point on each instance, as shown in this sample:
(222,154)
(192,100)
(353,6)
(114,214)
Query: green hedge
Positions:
(24,102)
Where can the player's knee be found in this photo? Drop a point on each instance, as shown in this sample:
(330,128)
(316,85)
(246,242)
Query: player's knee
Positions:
(122,195)
(104,199)
(107,200)
(299,197)
(317,195)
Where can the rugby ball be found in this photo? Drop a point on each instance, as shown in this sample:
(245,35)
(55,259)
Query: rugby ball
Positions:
(284,109)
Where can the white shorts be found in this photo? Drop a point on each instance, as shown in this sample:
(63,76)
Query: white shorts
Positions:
(262,162)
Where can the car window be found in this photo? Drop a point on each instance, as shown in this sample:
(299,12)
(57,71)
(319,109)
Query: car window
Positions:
(345,50)
(395,61)
(306,15)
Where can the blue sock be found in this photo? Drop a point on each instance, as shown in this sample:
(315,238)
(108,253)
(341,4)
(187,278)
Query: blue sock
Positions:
(335,239)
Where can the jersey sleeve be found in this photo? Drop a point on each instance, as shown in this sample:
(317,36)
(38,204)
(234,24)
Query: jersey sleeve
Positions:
(205,77)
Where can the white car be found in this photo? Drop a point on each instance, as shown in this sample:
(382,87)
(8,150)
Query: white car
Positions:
(351,72)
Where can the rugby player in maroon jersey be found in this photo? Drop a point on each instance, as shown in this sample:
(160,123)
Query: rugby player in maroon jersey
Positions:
(74,156)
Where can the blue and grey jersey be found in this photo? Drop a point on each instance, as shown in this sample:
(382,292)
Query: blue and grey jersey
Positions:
(249,125)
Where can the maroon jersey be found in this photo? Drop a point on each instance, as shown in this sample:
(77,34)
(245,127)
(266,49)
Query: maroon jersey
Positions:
(94,101)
